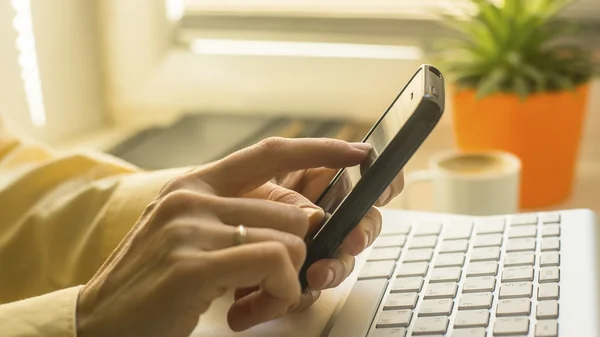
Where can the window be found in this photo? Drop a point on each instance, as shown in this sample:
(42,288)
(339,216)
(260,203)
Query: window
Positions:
(322,58)
(352,8)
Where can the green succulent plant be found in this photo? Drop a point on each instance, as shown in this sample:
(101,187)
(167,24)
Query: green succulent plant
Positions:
(516,46)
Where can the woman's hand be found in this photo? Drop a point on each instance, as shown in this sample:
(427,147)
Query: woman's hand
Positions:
(182,252)
(302,188)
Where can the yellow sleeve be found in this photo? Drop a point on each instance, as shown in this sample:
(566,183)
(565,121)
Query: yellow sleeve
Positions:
(60,218)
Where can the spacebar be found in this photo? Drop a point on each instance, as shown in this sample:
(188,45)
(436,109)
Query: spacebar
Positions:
(357,313)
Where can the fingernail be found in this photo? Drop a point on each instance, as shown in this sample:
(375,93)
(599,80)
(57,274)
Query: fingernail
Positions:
(313,213)
(362,146)
(367,239)
(385,195)
(330,276)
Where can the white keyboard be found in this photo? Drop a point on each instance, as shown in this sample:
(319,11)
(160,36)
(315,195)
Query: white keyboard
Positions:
(443,275)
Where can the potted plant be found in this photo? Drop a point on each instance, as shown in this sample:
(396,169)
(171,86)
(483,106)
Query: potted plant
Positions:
(521,85)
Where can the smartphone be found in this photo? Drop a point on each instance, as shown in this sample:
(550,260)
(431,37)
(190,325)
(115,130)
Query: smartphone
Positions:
(394,138)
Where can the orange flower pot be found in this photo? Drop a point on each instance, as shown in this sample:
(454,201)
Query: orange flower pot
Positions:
(544,131)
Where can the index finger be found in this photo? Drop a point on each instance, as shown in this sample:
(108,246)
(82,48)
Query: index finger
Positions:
(251,167)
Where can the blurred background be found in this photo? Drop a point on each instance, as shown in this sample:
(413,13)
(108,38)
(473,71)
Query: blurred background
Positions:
(165,83)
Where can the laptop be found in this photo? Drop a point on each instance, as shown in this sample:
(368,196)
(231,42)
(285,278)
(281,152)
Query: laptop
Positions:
(529,274)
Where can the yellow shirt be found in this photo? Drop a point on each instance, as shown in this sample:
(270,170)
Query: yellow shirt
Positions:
(60,218)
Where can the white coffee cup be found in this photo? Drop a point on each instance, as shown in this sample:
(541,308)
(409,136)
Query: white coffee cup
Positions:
(482,183)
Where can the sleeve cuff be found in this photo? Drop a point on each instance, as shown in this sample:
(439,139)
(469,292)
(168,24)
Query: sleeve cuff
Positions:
(51,315)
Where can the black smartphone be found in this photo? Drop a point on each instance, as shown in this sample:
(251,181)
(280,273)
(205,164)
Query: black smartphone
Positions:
(395,137)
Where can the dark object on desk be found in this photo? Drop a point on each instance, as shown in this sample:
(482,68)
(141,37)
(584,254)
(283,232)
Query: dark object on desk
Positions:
(198,139)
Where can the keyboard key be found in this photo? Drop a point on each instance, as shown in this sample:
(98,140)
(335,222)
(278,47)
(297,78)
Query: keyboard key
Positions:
(513,307)
(394,318)
(508,326)
(418,255)
(523,219)
(479,284)
(458,230)
(488,240)
(450,274)
(549,218)
(441,290)
(389,332)
(408,284)
(428,228)
(384,241)
(472,332)
(490,226)
(377,269)
(548,291)
(380,254)
(551,230)
(450,260)
(486,268)
(475,301)
(413,269)
(519,259)
(549,274)
(401,301)
(547,309)
(441,307)
(423,242)
(395,228)
(454,246)
(548,259)
(515,274)
(361,306)
(472,319)
(524,244)
(522,232)
(430,326)
(550,244)
(485,254)
(516,290)
(546,328)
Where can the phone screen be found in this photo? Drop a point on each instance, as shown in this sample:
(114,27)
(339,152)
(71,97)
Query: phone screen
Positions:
(379,137)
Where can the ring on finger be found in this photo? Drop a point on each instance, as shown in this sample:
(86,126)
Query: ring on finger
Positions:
(241,235)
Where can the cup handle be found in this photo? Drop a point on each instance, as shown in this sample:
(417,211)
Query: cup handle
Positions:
(410,180)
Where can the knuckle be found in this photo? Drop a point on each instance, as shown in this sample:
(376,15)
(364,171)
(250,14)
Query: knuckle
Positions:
(283,195)
(272,143)
(276,252)
(176,199)
(173,185)
(300,220)
(330,142)
(184,200)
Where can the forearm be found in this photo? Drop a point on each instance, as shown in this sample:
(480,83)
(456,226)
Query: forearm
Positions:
(62,215)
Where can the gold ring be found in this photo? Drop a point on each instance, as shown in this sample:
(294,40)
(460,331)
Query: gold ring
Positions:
(240,235)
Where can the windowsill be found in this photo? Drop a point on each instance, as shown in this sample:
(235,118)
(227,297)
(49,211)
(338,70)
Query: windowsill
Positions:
(374,9)
(410,29)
